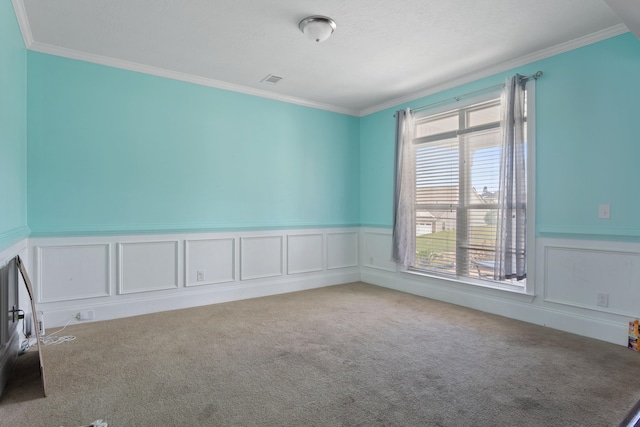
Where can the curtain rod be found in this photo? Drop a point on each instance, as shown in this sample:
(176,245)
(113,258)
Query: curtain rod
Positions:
(457,98)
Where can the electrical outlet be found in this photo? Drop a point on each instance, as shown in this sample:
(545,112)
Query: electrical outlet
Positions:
(603,300)
(200,276)
(85,315)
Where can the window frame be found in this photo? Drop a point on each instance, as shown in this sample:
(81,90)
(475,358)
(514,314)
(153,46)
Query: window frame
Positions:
(529,285)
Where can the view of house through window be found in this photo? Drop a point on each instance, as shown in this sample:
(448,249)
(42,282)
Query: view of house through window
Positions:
(458,155)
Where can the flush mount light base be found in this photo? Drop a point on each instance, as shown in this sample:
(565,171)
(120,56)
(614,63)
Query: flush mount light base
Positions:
(317,28)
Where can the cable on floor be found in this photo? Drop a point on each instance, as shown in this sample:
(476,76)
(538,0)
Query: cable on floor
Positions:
(53,339)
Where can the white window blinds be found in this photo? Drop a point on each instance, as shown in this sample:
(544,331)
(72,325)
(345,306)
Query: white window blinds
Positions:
(457,177)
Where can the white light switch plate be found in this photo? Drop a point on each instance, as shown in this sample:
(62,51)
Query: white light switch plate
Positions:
(605,212)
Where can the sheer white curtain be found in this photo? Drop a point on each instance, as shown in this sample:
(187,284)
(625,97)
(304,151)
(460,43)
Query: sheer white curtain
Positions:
(511,234)
(404,245)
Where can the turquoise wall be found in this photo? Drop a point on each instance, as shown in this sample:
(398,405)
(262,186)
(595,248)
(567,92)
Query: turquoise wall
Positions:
(118,151)
(13,129)
(588,106)
(588,143)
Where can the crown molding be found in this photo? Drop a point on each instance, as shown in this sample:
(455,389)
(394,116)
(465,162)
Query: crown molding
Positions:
(185,77)
(503,66)
(23,22)
(30,44)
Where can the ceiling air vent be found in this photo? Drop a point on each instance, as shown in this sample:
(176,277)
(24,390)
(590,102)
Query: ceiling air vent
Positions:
(271,79)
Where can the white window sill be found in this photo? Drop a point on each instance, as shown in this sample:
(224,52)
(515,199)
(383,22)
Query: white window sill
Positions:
(465,284)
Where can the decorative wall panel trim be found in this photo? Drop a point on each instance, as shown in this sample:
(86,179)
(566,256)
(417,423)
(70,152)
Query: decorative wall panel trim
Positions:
(212,259)
(558,304)
(575,276)
(342,250)
(261,257)
(305,253)
(72,272)
(154,272)
(147,266)
(376,249)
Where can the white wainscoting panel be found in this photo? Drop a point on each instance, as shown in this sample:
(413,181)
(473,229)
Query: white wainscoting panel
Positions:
(72,272)
(342,250)
(215,258)
(576,276)
(148,266)
(376,248)
(260,257)
(129,275)
(569,275)
(304,253)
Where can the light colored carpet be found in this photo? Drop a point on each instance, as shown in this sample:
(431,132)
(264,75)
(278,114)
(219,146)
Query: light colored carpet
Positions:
(348,355)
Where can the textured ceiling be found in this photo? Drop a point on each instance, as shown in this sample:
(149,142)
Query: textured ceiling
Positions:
(381,51)
(629,12)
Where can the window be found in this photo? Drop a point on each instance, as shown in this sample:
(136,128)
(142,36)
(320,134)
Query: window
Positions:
(456,156)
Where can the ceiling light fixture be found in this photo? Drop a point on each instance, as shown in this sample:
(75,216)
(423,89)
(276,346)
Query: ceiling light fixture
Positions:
(317,28)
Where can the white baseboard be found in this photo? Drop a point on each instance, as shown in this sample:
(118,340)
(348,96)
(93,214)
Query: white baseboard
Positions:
(121,276)
(175,301)
(602,329)
(564,282)
(129,275)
